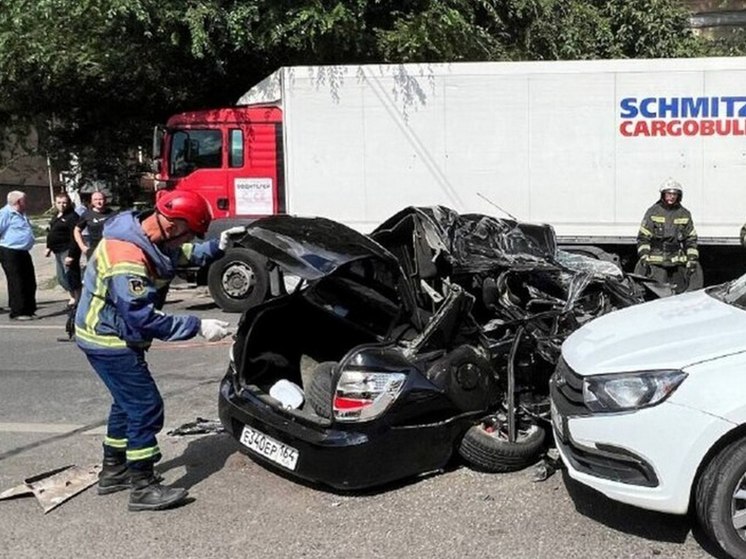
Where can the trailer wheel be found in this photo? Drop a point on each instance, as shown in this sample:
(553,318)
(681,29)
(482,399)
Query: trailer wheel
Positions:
(486,447)
(239,280)
(319,393)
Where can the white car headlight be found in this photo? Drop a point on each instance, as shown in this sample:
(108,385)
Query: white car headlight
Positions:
(630,391)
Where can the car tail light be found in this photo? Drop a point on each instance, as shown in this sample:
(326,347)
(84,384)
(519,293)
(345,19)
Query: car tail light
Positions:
(362,395)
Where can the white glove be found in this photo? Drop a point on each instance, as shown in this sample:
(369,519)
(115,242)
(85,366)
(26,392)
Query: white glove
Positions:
(228,233)
(213,330)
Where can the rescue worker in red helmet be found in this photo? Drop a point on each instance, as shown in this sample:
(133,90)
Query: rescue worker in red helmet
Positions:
(667,240)
(117,318)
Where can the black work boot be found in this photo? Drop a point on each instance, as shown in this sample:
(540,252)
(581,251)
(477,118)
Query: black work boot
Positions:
(148,494)
(113,476)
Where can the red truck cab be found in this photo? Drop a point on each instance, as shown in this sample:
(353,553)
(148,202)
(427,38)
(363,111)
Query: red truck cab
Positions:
(231,156)
(234,158)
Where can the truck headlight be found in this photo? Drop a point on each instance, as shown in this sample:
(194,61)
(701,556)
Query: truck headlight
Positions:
(629,391)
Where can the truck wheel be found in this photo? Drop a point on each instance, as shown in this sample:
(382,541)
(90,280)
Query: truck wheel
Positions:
(319,393)
(721,499)
(238,281)
(485,446)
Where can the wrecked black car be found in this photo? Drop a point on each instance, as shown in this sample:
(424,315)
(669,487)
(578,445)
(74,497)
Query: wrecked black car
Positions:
(433,336)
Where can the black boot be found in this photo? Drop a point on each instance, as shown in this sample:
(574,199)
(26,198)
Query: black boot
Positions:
(113,476)
(148,494)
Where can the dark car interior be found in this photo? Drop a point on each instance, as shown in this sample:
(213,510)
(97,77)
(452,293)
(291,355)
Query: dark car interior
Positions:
(356,305)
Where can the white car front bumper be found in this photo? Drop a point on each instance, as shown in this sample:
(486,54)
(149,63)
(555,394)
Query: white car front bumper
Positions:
(647,458)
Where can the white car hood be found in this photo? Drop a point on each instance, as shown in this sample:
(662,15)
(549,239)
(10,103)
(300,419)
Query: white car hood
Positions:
(669,333)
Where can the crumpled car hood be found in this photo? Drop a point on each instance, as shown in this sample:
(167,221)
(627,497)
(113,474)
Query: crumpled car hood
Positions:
(311,248)
(668,333)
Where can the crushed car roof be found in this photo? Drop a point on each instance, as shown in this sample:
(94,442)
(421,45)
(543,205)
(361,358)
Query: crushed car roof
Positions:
(477,242)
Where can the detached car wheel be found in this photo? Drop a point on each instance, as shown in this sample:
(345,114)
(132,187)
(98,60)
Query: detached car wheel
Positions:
(319,393)
(238,281)
(721,499)
(486,447)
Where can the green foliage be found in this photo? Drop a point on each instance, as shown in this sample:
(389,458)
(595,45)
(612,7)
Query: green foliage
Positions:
(93,76)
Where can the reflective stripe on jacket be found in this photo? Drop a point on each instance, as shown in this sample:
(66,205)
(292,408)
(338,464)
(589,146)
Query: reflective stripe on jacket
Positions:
(121,298)
(667,236)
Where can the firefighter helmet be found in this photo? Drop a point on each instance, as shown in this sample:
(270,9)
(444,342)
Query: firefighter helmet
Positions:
(186,205)
(670,185)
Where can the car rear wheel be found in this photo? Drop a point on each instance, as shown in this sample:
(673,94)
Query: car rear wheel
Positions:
(486,447)
(721,499)
(239,280)
(319,393)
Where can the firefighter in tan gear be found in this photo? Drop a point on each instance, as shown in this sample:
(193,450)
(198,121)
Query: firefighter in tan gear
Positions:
(667,241)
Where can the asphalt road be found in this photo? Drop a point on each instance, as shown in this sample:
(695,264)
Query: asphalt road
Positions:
(52,414)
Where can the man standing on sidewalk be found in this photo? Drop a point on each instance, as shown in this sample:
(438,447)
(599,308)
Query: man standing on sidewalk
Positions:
(16,240)
(92,220)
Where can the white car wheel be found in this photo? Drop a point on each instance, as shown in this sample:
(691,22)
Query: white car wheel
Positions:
(721,499)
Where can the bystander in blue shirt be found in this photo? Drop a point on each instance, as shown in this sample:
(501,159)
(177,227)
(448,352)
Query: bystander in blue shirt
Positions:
(16,242)
(15,229)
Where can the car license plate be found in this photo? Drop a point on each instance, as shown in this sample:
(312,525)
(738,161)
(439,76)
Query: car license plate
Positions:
(557,421)
(282,454)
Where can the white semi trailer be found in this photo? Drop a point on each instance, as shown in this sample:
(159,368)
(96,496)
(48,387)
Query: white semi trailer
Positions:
(582,145)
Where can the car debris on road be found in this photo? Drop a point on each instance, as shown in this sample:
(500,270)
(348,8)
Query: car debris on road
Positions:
(200,426)
(436,334)
(53,488)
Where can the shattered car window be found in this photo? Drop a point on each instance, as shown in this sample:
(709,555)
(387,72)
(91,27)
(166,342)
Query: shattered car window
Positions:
(582,263)
(732,293)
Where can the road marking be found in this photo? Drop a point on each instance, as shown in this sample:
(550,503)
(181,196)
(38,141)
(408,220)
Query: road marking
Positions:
(158,344)
(32,327)
(49,428)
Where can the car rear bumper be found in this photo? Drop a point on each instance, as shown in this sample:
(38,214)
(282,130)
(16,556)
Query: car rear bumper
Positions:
(346,457)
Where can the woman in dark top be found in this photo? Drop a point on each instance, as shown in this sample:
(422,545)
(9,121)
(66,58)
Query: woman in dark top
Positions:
(60,241)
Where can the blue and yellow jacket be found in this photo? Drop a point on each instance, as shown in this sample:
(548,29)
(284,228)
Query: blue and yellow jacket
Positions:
(119,306)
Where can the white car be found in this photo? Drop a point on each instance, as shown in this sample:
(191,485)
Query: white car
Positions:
(649,407)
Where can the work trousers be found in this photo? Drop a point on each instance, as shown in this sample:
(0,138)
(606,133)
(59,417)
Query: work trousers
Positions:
(136,414)
(21,278)
(674,275)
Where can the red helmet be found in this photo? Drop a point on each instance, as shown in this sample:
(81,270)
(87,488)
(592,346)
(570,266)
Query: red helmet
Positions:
(186,205)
